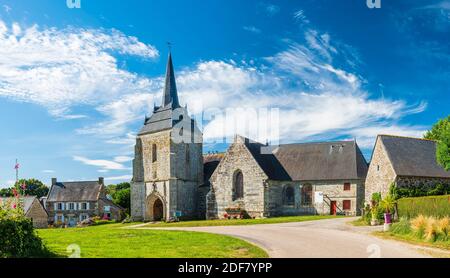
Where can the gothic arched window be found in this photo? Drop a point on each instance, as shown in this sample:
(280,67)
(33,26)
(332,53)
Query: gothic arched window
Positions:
(238,186)
(154,153)
(307,196)
(289,196)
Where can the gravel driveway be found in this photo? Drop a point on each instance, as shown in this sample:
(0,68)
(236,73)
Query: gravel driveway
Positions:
(332,238)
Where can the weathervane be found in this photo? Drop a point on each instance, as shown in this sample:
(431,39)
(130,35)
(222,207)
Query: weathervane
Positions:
(169,45)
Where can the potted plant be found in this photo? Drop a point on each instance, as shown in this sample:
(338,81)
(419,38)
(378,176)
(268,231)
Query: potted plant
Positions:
(387,204)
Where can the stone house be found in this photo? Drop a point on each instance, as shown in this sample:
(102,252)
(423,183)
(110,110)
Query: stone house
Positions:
(405,162)
(295,179)
(33,210)
(69,203)
(168,163)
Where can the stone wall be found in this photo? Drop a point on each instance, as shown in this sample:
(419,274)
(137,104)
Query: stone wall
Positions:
(38,214)
(220,197)
(332,190)
(381,173)
(425,183)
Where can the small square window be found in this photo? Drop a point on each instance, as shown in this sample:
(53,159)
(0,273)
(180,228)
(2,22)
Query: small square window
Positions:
(347,186)
(347,205)
(84,206)
(59,206)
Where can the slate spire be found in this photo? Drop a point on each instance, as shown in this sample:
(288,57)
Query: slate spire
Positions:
(170,96)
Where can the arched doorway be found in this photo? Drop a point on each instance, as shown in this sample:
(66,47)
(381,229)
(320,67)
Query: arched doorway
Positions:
(158,210)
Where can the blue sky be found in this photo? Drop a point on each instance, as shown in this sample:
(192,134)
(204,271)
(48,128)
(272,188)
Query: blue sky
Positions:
(75,84)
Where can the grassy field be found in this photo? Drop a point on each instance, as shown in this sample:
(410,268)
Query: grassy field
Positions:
(111,241)
(237,222)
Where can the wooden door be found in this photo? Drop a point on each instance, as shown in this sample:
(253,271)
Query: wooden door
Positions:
(333,208)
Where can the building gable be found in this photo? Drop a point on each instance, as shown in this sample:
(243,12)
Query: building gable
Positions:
(381,173)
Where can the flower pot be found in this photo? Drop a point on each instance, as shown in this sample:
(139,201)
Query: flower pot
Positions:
(374,222)
(387,218)
(387,227)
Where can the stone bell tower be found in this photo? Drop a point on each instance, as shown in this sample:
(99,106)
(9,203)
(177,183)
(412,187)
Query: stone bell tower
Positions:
(168,163)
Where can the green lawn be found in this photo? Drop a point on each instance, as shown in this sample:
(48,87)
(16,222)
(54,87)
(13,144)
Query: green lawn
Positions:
(237,222)
(110,241)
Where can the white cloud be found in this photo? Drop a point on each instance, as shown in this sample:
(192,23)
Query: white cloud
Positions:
(252,29)
(48,171)
(104,164)
(59,69)
(119,178)
(122,159)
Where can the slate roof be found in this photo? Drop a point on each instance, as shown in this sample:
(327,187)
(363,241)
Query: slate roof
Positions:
(210,163)
(413,157)
(340,160)
(27,201)
(75,191)
(164,117)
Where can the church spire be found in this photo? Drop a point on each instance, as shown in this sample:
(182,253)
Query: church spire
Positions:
(170,96)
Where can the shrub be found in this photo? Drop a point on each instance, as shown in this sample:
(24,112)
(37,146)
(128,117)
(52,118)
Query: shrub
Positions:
(17,236)
(436,206)
(418,225)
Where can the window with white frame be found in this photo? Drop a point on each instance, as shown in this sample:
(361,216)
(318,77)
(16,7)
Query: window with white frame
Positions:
(83,217)
(71,206)
(84,206)
(60,206)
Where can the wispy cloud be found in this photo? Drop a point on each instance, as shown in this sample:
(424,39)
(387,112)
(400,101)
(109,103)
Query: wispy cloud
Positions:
(104,164)
(300,16)
(7,8)
(48,171)
(271,9)
(252,29)
(119,178)
(61,68)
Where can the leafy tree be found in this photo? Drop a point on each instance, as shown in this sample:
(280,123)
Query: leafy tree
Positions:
(121,194)
(438,129)
(6,192)
(441,133)
(123,199)
(33,187)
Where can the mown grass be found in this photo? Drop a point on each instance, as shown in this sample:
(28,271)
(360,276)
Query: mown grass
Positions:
(111,241)
(237,222)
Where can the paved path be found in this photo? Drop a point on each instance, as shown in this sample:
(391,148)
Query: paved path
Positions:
(332,238)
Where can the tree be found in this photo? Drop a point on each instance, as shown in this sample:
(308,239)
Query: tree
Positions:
(33,187)
(123,199)
(6,192)
(121,194)
(438,129)
(440,132)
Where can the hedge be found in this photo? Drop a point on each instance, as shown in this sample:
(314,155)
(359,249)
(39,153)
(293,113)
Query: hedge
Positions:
(437,206)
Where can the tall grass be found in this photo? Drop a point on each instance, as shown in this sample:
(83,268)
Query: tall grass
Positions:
(423,228)
(437,206)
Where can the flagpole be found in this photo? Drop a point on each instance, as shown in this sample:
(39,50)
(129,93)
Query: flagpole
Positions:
(17,171)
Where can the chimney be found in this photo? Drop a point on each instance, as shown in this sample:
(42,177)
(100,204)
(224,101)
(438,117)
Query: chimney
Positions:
(54,181)
(101,181)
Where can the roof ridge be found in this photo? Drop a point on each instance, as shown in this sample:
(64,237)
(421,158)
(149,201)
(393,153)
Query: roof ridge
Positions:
(406,137)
